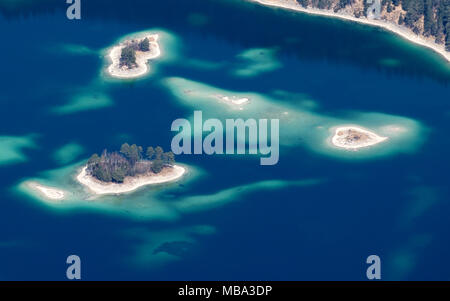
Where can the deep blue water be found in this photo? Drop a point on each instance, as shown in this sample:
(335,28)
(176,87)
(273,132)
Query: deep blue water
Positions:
(394,206)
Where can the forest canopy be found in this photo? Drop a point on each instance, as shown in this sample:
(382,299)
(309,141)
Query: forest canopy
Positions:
(129,161)
(430,18)
(128,54)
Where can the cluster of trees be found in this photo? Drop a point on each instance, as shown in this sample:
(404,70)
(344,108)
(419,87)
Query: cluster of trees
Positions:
(435,13)
(144,45)
(128,55)
(129,161)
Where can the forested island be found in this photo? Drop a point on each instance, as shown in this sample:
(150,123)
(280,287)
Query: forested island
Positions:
(129,169)
(129,58)
(128,54)
(128,162)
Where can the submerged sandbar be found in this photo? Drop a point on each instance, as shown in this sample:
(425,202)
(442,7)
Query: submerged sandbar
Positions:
(354,137)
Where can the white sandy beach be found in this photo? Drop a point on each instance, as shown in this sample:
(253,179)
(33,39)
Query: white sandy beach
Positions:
(141,59)
(233,100)
(354,137)
(50,193)
(397,29)
(168,174)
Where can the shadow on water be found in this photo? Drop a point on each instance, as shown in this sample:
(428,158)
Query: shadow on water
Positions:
(306,37)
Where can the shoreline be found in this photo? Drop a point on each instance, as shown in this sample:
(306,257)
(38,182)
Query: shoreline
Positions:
(342,133)
(130,183)
(142,59)
(392,27)
(232,100)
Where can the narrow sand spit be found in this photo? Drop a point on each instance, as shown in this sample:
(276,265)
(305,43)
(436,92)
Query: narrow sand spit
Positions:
(168,174)
(50,193)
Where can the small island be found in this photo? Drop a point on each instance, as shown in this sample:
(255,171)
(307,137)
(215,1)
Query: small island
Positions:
(233,100)
(129,59)
(354,137)
(128,169)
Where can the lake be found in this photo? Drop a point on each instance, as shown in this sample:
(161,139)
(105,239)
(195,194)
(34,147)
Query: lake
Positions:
(315,215)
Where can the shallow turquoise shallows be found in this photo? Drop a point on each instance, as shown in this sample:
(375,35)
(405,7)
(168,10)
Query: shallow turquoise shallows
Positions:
(316,215)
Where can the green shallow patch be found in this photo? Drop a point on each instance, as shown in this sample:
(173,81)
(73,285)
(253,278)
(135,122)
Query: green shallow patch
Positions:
(70,49)
(301,122)
(84,102)
(12,148)
(401,263)
(156,248)
(405,136)
(166,202)
(222,197)
(421,198)
(390,62)
(143,203)
(68,153)
(256,61)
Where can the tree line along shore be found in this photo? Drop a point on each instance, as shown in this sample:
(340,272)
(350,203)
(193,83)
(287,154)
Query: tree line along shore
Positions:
(428,18)
(130,161)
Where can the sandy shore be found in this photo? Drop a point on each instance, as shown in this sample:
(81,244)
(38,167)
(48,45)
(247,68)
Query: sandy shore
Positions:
(397,29)
(47,192)
(354,137)
(141,59)
(233,100)
(168,174)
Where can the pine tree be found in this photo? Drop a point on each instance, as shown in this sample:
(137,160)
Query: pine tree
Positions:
(144,45)
(157,166)
(128,57)
(168,158)
(150,152)
(158,152)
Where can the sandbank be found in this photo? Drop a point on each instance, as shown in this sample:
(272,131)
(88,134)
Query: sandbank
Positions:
(47,192)
(354,137)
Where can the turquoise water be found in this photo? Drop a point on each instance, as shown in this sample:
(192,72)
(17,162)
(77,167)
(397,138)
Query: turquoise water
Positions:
(316,215)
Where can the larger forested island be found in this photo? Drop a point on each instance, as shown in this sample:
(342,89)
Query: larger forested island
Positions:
(129,169)
(428,18)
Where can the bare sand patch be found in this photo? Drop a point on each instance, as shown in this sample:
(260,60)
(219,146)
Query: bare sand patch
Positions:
(50,193)
(353,137)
